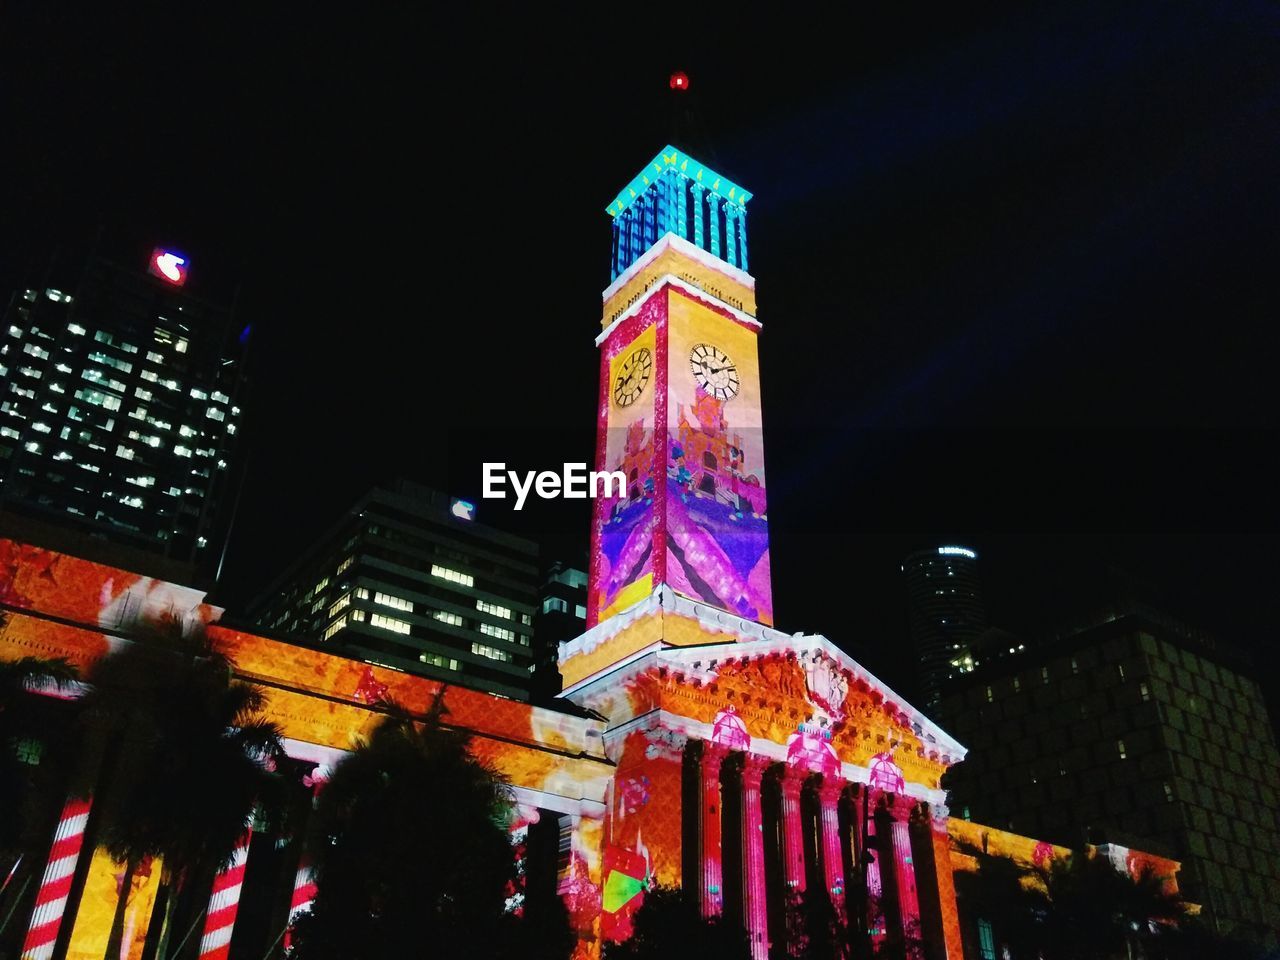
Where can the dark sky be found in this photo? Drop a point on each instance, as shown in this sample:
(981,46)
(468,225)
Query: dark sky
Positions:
(1017,265)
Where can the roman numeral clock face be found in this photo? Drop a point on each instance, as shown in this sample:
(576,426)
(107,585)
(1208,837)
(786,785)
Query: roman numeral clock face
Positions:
(714,371)
(633,377)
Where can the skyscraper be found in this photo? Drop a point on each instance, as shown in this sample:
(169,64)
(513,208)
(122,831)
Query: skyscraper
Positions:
(119,408)
(946,616)
(562,615)
(408,579)
(1135,730)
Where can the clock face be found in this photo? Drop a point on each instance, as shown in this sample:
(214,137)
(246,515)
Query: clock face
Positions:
(633,377)
(714,371)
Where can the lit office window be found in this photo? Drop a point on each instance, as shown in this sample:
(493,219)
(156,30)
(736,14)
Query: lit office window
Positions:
(333,628)
(340,604)
(491,652)
(484,606)
(1120,749)
(453,576)
(501,633)
(555,604)
(444,616)
(438,661)
(344,565)
(78,330)
(182,451)
(123,452)
(580,611)
(388,623)
(387,600)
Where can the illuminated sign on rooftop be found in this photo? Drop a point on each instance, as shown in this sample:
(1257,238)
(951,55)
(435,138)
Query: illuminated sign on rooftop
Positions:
(462,509)
(168,266)
(957,552)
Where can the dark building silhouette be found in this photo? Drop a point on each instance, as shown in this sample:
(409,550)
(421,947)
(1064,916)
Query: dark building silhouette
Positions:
(407,579)
(1131,729)
(562,616)
(946,616)
(120,404)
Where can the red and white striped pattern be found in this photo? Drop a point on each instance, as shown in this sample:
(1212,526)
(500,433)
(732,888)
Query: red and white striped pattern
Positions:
(219,922)
(304,894)
(55,885)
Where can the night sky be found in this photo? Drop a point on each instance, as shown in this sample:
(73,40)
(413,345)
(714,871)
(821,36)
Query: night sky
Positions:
(1017,267)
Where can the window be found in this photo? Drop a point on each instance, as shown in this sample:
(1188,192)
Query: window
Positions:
(1168,793)
(1146,693)
(199,394)
(362,593)
(453,576)
(345,565)
(214,413)
(491,652)
(155,357)
(28,750)
(340,604)
(387,600)
(526,619)
(1017,685)
(1120,670)
(324,582)
(99,399)
(333,628)
(484,606)
(78,330)
(1044,674)
(501,633)
(388,623)
(990,697)
(182,451)
(1120,749)
(435,660)
(124,452)
(444,616)
(554,604)
(1075,667)
(986,940)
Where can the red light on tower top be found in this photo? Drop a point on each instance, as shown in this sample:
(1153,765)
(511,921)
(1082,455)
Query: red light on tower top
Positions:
(168,266)
(679,80)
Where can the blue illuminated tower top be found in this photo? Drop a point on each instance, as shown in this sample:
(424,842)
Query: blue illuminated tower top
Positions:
(675,193)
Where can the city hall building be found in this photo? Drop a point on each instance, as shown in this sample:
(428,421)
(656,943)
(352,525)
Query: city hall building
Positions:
(695,745)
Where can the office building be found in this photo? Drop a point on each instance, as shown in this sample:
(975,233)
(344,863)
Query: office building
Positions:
(1135,730)
(562,616)
(946,616)
(120,406)
(410,580)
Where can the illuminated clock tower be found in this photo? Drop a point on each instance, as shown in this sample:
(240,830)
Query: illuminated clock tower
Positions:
(679,406)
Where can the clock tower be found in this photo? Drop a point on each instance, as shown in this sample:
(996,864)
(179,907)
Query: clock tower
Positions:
(679,403)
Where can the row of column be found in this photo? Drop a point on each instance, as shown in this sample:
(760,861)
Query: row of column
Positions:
(892,849)
(663,208)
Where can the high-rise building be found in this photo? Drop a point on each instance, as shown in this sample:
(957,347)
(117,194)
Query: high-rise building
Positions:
(119,408)
(946,616)
(562,615)
(408,579)
(1136,730)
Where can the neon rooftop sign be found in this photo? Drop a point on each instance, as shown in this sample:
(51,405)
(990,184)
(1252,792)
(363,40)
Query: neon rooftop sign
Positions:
(168,266)
(957,552)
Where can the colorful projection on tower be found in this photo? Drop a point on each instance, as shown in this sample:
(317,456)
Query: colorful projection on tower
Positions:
(688,438)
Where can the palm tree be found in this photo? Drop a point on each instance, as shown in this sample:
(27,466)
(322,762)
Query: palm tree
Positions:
(410,847)
(189,760)
(31,768)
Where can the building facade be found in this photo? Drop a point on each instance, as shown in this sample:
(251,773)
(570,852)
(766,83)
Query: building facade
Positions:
(696,745)
(120,401)
(409,580)
(945,614)
(1134,731)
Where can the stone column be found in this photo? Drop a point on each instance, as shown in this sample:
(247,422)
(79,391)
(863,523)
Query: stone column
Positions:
(713,222)
(876,923)
(832,860)
(905,873)
(680,184)
(791,781)
(711,893)
(617,248)
(662,206)
(697,214)
(742,237)
(755,915)
(730,232)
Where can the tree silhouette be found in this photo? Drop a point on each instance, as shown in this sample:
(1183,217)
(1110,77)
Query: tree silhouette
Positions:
(411,854)
(670,924)
(188,760)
